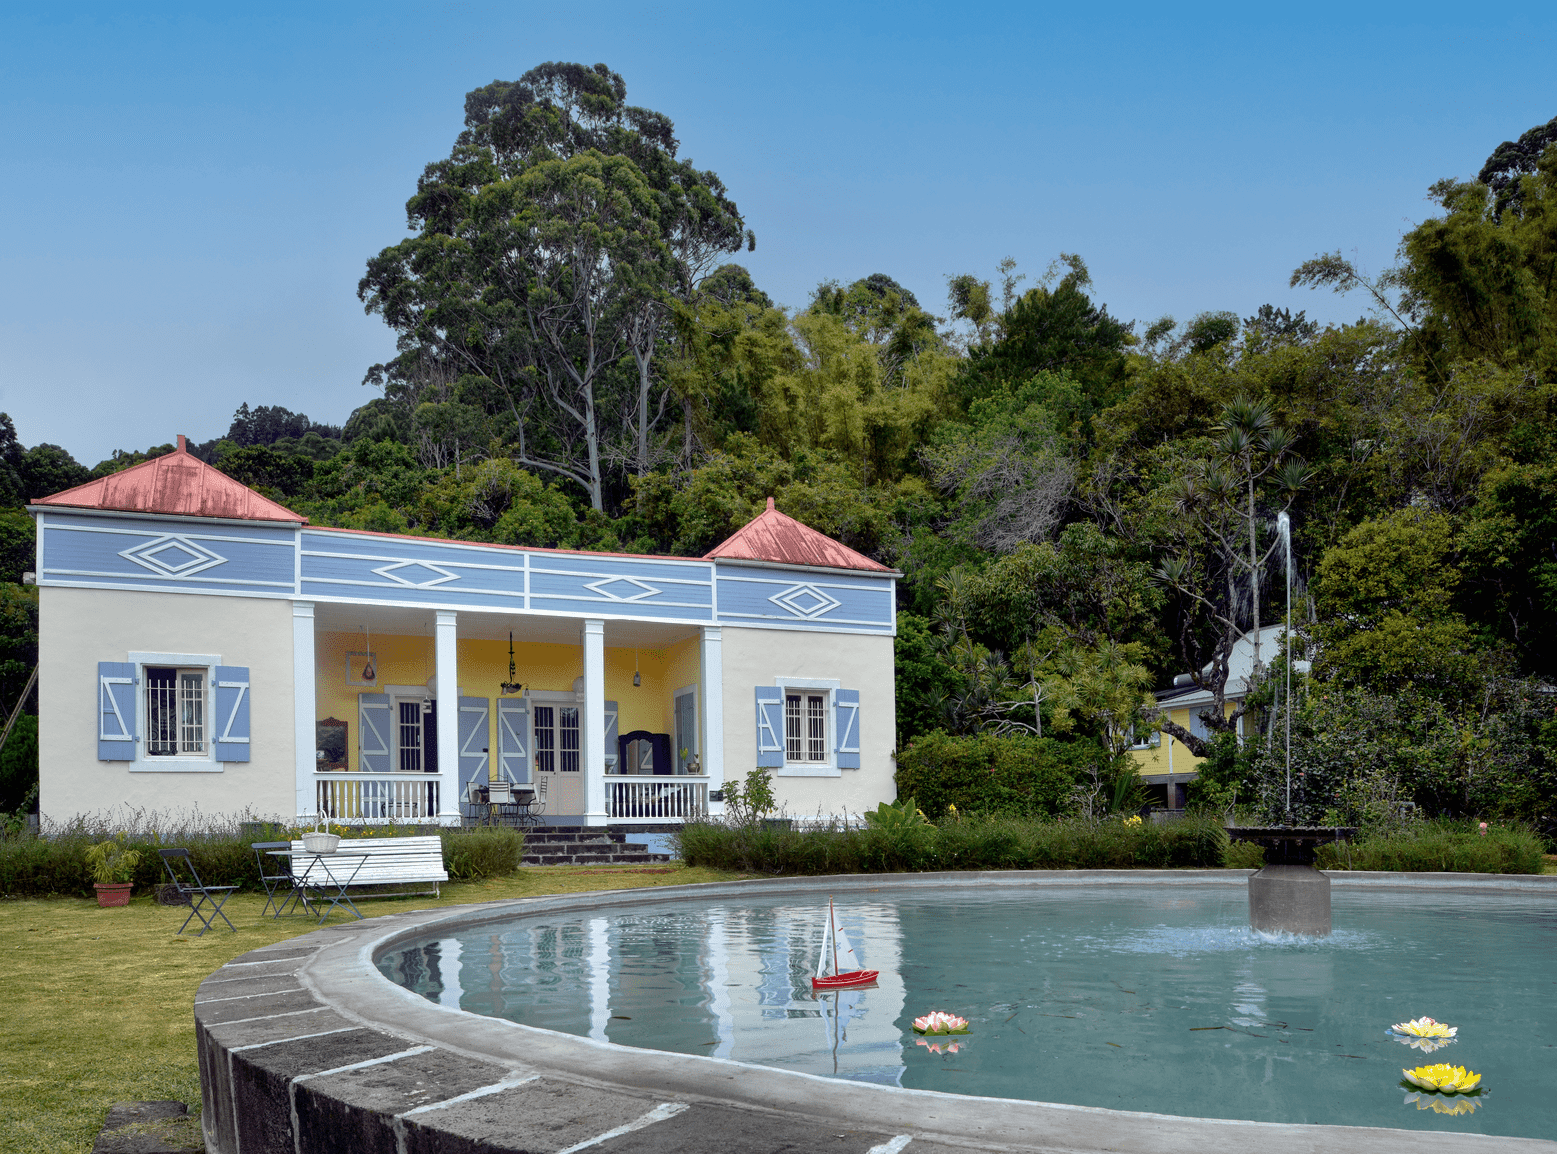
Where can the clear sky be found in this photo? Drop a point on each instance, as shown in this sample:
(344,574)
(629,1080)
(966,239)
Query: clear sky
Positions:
(190,192)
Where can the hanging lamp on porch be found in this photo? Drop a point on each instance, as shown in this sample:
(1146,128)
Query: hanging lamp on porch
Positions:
(511,686)
(637,678)
(369,673)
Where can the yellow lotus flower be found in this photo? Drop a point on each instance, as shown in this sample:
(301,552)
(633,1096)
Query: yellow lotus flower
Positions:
(1441,1105)
(1443,1078)
(1425,1028)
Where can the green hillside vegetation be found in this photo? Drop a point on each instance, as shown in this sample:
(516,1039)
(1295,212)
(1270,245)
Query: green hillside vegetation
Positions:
(1081,505)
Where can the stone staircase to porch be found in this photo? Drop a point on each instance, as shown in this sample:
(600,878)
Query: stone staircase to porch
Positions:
(584,845)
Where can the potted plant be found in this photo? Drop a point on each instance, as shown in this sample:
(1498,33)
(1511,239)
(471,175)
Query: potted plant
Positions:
(113,866)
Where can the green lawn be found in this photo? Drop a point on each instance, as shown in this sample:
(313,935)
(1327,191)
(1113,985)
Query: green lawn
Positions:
(98,1004)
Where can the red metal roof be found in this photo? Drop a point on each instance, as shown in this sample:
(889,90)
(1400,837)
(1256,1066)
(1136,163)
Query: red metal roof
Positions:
(771,536)
(178,484)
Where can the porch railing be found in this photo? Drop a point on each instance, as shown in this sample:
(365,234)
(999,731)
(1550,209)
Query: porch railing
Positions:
(349,797)
(655,799)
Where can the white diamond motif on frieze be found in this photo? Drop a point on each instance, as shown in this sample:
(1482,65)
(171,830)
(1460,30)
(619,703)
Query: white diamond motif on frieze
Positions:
(627,588)
(416,574)
(173,556)
(805,601)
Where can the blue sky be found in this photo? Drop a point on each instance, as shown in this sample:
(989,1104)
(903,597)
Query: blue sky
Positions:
(191,191)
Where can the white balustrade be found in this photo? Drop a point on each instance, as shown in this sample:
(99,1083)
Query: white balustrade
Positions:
(354,797)
(655,799)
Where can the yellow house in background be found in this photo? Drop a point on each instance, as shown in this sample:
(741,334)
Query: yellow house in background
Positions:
(1165,764)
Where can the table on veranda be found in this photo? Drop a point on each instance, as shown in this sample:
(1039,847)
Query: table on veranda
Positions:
(319,874)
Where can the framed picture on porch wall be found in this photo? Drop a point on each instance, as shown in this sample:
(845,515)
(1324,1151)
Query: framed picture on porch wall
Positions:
(358,664)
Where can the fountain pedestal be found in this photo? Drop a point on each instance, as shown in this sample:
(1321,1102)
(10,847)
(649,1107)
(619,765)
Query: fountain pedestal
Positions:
(1294,899)
(1289,895)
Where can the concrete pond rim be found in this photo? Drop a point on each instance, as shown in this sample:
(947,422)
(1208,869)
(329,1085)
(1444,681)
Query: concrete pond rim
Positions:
(264,1088)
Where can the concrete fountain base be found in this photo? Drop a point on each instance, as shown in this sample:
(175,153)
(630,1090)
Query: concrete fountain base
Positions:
(1292,899)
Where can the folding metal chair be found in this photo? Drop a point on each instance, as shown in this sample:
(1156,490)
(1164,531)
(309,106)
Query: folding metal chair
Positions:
(197,894)
(274,883)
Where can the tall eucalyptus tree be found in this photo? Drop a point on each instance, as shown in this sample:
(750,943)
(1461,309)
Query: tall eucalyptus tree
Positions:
(551,244)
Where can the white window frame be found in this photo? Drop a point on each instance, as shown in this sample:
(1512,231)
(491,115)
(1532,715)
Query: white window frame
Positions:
(556,699)
(206,762)
(828,766)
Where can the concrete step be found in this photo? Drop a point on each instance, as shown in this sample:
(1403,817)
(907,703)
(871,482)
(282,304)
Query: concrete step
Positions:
(580,859)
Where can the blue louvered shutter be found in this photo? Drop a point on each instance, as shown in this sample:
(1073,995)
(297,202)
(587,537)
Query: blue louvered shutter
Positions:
(475,743)
(232,713)
(513,739)
(373,733)
(847,727)
(115,711)
(612,729)
(770,727)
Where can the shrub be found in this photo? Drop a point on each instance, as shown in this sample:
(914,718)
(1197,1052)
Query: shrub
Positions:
(482,852)
(55,863)
(1440,846)
(1016,775)
(957,843)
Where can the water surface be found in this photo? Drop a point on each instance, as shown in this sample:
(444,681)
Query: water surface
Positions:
(1160,1000)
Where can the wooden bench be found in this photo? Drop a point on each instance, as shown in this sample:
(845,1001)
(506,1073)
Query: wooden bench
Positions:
(394,861)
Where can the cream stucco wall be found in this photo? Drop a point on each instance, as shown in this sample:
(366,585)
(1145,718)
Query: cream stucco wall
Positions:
(80,627)
(754,657)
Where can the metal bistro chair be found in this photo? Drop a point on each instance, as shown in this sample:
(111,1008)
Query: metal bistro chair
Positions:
(274,883)
(196,892)
(528,805)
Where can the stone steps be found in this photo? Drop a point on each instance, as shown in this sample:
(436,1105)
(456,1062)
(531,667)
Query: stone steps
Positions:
(584,845)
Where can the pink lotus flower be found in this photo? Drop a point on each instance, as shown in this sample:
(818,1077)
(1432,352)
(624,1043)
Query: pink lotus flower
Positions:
(940,1022)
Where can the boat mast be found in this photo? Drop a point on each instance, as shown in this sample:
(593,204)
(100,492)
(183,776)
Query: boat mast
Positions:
(832,926)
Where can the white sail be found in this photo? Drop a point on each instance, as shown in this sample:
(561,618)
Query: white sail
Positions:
(825,955)
(848,960)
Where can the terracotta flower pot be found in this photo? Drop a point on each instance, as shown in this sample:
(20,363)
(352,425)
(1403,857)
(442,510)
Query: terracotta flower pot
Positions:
(112,893)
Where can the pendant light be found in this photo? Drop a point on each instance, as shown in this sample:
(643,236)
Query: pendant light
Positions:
(637,677)
(369,673)
(511,686)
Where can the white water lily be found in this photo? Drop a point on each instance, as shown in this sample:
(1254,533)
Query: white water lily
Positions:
(1425,1028)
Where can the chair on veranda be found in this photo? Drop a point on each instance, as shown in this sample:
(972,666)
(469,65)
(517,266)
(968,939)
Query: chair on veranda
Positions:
(278,882)
(196,892)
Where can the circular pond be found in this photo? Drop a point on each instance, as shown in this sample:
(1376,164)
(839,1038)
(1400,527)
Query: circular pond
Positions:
(1131,998)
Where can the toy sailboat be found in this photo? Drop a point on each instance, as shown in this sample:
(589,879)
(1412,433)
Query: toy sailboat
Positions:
(837,950)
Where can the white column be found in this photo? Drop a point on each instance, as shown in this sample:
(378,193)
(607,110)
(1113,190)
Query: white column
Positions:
(305,739)
(445,654)
(712,685)
(592,723)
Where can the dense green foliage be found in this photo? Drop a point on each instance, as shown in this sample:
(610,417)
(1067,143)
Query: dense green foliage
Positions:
(972,844)
(1440,847)
(1082,506)
(57,863)
(1017,776)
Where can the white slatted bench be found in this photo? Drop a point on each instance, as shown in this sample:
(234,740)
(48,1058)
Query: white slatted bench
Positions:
(393,861)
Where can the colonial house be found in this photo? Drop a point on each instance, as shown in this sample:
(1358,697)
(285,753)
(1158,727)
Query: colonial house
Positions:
(204,647)
(1165,764)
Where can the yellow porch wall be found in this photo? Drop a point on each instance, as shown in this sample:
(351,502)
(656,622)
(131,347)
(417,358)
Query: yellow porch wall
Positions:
(483,666)
(1155,761)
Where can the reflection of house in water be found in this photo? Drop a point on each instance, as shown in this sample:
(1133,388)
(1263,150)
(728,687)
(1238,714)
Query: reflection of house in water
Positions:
(723,982)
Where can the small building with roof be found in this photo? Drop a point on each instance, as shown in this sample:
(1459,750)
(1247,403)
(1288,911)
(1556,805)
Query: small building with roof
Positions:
(1166,764)
(203,647)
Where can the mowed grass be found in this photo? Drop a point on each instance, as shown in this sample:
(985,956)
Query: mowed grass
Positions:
(96,1005)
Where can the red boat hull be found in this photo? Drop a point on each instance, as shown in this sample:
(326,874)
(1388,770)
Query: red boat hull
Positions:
(845,981)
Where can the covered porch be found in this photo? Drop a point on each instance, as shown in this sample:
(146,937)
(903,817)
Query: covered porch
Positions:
(404,714)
